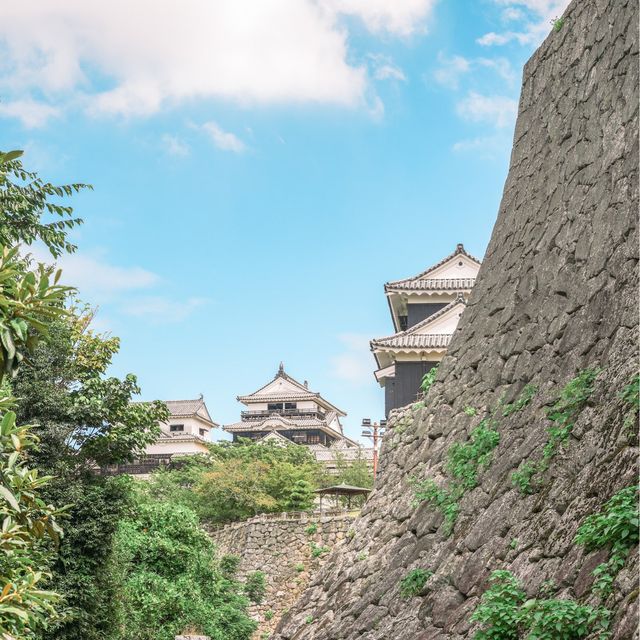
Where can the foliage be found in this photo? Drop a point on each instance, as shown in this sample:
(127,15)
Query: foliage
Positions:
(27,523)
(83,416)
(311,529)
(631,395)
(525,397)
(428,379)
(317,551)
(170,579)
(299,567)
(255,587)
(470,411)
(614,526)
(239,480)
(505,614)
(445,501)
(499,608)
(355,472)
(564,412)
(522,478)
(557,23)
(465,460)
(29,300)
(83,570)
(562,415)
(229,565)
(268,615)
(25,200)
(300,497)
(413,582)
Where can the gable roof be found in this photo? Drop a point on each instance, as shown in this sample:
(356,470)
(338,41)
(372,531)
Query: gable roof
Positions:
(423,282)
(190,408)
(283,388)
(416,337)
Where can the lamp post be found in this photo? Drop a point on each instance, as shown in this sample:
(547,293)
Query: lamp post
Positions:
(374,432)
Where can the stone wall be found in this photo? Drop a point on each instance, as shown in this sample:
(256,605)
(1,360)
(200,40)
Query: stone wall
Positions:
(282,546)
(557,293)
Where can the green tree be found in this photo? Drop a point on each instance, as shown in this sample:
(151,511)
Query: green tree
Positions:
(172,580)
(25,199)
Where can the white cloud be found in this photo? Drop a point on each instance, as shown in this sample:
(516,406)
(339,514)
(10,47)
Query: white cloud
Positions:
(397,17)
(162,310)
(223,139)
(31,114)
(490,147)
(355,365)
(175,146)
(536,16)
(385,69)
(450,70)
(453,68)
(149,55)
(97,278)
(499,111)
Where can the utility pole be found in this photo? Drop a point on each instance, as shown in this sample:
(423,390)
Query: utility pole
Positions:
(374,432)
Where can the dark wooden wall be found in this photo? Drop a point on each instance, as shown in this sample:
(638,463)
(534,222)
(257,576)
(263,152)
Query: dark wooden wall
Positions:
(418,312)
(405,387)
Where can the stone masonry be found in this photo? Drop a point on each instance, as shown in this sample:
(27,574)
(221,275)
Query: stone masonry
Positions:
(557,293)
(282,546)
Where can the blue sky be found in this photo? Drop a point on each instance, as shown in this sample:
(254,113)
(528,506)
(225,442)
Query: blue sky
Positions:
(262,168)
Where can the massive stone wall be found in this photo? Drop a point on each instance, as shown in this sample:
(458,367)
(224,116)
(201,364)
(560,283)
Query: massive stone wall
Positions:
(557,293)
(282,547)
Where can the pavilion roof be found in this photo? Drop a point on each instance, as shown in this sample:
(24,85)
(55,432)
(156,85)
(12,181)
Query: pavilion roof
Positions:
(190,408)
(343,490)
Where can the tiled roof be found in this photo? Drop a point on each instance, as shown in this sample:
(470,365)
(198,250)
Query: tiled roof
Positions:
(411,339)
(280,422)
(419,341)
(421,281)
(282,397)
(435,284)
(180,408)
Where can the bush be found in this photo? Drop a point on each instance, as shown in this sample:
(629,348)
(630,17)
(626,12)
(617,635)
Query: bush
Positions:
(413,582)
(255,587)
(170,579)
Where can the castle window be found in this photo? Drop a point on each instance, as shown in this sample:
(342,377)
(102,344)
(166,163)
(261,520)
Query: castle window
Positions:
(275,406)
(176,428)
(203,433)
(313,438)
(290,405)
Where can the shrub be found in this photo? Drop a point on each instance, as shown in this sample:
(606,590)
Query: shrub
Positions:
(311,529)
(428,379)
(170,578)
(317,551)
(614,526)
(442,499)
(413,582)
(465,460)
(506,614)
(522,478)
(525,397)
(229,565)
(255,587)
(631,395)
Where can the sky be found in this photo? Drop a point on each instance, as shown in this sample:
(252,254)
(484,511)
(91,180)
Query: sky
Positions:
(261,168)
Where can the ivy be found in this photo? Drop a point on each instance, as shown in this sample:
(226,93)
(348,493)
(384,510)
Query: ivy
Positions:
(616,526)
(562,415)
(413,582)
(522,401)
(428,379)
(631,395)
(506,614)
(466,460)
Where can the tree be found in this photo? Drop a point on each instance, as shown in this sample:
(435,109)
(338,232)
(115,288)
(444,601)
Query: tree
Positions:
(25,199)
(84,417)
(172,580)
(28,304)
